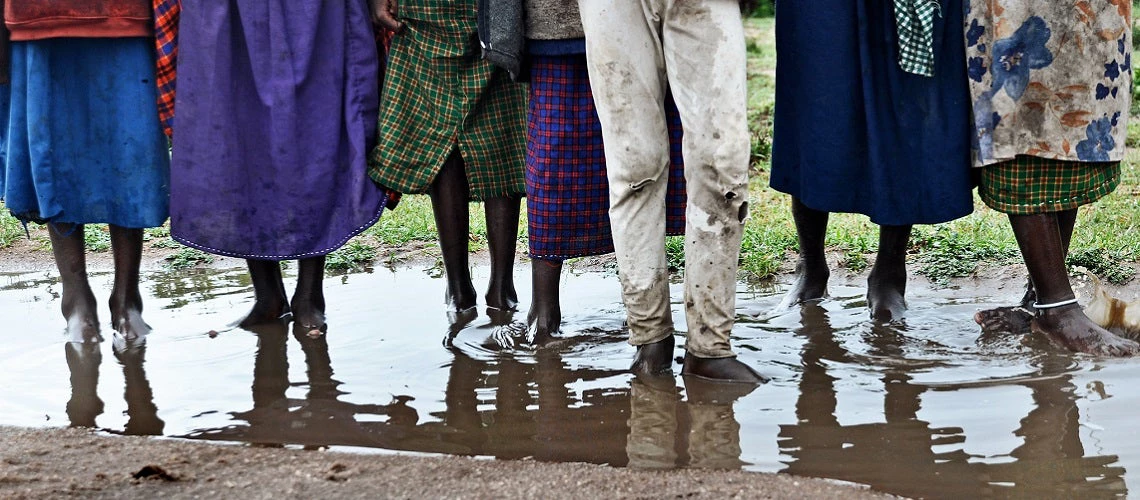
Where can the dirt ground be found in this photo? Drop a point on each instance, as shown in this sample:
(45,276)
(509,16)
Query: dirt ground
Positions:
(55,463)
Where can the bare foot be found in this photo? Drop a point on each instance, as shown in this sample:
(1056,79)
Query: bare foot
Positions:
(543,322)
(82,320)
(459,301)
(729,370)
(502,296)
(655,358)
(811,283)
(309,314)
(126,314)
(886,292)
(265,312)
(1069,327)
(1004,320)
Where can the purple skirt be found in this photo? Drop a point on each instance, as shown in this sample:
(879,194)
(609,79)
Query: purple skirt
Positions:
(275,112)
(567,194)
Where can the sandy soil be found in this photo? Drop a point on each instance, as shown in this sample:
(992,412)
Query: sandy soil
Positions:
(54,463)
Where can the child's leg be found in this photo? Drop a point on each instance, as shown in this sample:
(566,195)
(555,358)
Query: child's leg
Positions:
(78,300)
(308,303)
(545,315)
(502,236)
(886,286)
(1039,237)
(270,303)
(811,269)
(449,204)
(126,299)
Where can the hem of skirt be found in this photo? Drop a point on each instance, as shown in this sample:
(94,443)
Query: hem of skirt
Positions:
(1092,196)
(241,255)
(589,253)
(978,162)
(34,219)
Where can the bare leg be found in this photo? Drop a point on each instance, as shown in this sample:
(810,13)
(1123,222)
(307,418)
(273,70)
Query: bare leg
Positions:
(126,300)
(308,303)
(502,236)
(270,303)
(78,302)
(545,316)
(449,204)
(811,269)
(1015,319)
(1039,237)
(886,286)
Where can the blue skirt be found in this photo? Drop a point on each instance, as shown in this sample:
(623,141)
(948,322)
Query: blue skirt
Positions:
(853,132)
(82,142)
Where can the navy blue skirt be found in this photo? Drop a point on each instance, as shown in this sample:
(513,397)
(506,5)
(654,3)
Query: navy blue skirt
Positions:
(853,132)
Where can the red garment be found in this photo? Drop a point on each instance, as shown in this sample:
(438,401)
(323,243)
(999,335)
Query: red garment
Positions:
(166,15)
(40,19)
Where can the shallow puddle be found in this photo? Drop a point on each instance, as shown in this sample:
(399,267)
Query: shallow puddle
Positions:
(924,408)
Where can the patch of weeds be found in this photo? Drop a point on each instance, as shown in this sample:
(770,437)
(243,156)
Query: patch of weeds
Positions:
(167,242)
(946,253)
(763,250)
(854,260)
(96,238)
(187,258)
(1133,138)
(1110,265)
(355,255)
(10,229)
(675,253)
(156,233)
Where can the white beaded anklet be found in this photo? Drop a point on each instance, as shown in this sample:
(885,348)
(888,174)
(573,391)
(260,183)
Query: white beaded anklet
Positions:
(1055,304)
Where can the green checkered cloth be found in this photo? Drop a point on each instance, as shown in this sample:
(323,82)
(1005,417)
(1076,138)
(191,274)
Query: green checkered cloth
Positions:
(1030,185)
(914,21)
(440,97)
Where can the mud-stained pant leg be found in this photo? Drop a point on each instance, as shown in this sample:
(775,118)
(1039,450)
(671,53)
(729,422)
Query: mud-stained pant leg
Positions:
(705,59)
(624,57)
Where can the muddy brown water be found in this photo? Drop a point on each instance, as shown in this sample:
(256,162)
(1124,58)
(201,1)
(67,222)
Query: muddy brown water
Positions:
(922,408)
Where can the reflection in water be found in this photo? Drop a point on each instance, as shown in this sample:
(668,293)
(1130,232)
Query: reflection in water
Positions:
(666,432)
(925,409)
(532,413)
(83,360)
(898,455)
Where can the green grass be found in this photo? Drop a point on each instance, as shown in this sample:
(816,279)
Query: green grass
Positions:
(353,256)
(186,258)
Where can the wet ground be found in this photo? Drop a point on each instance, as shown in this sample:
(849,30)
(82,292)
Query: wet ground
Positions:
(923,408)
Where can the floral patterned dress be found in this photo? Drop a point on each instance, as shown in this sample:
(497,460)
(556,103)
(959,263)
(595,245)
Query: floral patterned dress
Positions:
(1049,78)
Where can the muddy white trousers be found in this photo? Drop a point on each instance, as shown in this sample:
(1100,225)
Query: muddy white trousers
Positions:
(637,50)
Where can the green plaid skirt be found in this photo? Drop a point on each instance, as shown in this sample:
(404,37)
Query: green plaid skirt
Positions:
(440,97)
(1031,185)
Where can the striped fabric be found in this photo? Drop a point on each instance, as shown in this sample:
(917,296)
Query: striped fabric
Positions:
(567,192)
(915,24)
(1030,185)
(166,43)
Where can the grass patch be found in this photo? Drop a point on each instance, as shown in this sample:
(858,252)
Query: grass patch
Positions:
(1112,266)
(351,257)
(11,229)
(188,258)
(96,237)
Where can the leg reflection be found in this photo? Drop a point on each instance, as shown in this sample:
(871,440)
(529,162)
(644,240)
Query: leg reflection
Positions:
(653,423)
(83,362)
(142,414)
